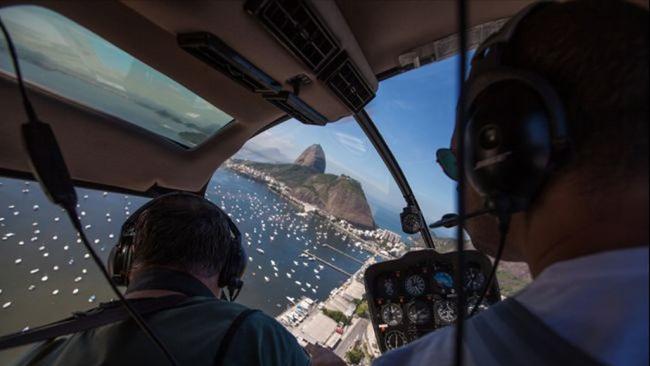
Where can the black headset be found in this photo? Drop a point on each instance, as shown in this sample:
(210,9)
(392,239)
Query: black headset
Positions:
(516,131)
(120,259)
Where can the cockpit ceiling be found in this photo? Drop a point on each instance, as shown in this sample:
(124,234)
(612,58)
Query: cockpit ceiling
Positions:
(374,33)
(387,29)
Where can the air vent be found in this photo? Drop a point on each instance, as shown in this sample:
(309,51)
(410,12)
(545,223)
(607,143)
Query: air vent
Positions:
(211,50)
(298,28)
(214,52)
(343,78)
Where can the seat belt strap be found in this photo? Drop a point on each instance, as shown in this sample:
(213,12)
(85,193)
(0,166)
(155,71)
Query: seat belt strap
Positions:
(511,334)
(88,320)
(229,335)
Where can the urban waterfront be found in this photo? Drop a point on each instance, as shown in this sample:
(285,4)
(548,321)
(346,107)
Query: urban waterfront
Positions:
(46,274)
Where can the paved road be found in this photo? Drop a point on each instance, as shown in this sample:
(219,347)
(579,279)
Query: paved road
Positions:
(356,332)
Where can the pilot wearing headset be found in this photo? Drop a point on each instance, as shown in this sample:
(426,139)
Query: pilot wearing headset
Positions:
(177,255)
(556,142)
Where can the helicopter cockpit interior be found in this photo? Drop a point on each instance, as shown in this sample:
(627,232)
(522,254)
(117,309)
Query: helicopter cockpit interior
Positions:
(305,120)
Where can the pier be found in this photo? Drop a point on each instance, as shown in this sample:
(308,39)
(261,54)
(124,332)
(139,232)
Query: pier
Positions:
(343,253)
(306,252)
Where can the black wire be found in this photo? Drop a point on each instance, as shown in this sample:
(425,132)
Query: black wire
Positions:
(72,214)
(504,224)
(460,143)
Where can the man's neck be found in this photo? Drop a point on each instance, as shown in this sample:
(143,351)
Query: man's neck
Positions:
(577,226)
(211,283)
(150,293)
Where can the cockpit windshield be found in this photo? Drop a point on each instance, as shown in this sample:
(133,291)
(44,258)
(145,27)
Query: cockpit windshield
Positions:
(415,112)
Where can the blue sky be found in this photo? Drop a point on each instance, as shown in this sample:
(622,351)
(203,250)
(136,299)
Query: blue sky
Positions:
(415,112)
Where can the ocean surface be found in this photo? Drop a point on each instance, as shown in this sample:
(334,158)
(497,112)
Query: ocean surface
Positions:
(46,274)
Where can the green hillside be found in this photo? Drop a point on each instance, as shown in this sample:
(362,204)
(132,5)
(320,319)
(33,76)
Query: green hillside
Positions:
(340,196)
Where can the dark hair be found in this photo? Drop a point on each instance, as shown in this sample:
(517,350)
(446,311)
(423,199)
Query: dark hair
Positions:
(595,54)
(184,232)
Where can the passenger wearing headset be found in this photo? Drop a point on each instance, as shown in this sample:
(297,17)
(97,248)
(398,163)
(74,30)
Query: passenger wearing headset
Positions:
(177,255)
(556,144)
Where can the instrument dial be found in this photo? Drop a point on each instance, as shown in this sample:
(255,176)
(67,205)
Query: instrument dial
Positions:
(471,303)
(444,280)
(414,285)
(387,286)
(392,314)
(419,312)
(445,311)
(394,339)
(474,279)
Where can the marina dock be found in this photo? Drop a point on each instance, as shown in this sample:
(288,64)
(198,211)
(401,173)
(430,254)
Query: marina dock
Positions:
(306,252)
(343,253)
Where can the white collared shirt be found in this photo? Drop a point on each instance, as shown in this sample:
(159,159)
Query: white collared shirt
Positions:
(598,303)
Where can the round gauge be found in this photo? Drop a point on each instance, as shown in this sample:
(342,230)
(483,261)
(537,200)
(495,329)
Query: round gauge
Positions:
(419,312)
(392,314)
(474,279)
(445,311)
(389,286)
(471,303)
(444,280)
(394,339)
(414,285)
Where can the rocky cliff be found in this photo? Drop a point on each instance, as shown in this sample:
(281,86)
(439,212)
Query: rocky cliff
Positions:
(340,196)
(313,157)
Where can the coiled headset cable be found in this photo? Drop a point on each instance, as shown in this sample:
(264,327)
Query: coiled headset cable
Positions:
(52,173)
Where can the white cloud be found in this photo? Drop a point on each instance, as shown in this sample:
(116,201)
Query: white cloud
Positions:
(353,144)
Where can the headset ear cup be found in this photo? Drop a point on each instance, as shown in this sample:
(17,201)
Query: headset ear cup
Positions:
(110,266)
(225,274)
(126,267)
(239,265)
(234,266)
(119,264)
(508,143)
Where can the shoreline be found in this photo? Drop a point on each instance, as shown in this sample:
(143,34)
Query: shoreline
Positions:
(282,190)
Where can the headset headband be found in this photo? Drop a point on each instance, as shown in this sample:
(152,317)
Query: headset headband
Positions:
(488,68)
(130,222)
(508,31)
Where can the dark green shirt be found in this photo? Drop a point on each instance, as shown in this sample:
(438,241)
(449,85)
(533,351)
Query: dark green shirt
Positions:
(192,331)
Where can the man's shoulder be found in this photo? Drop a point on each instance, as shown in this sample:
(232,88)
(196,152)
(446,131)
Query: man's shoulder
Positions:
(208,307)
(435,348)
(256,325)
(229,310)
(274,343)
(265,326)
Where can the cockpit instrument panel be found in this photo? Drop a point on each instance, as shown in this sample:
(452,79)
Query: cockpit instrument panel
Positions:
(415,294)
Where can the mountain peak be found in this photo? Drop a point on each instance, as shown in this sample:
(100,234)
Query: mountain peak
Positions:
(313,157)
